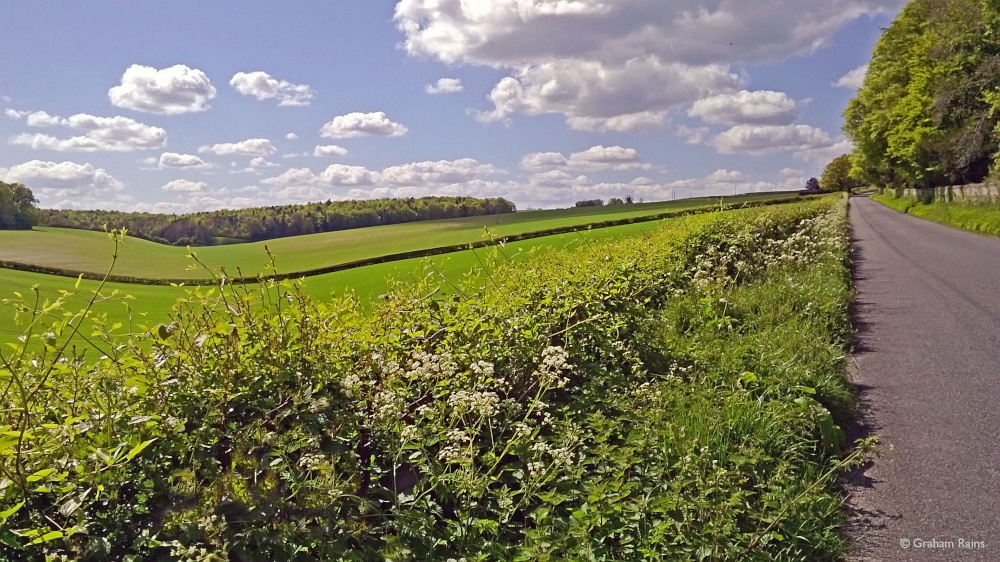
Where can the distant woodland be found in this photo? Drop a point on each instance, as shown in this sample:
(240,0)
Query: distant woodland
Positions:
(928,112)
(264,223)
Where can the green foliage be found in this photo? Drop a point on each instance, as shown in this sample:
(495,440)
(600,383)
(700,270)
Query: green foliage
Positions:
(925,116)
(837,175)
(673,396)
(17,207)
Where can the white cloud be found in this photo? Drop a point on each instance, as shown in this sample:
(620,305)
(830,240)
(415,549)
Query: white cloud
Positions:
(746,108)
(260,162)
(444,177)
(593,159)
(42,119)
(169,91)
(175,160)
(822,155)
(633,60)
(185,186)
(263,86)
(445,86)
(334,175)
(54,182)
(249,147)
(593,96)
(292,136)
(724,176)
(765,139)
(440,172)
(362,124)
(329,150)
(14,114)
(853,79)
(106,134)
(692,135)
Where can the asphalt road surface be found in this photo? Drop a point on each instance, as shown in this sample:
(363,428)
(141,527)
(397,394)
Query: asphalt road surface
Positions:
(927,365)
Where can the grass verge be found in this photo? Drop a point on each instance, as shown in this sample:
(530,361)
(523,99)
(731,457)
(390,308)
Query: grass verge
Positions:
(983,218)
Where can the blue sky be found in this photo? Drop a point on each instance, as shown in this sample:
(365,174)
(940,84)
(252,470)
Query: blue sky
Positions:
(189,106)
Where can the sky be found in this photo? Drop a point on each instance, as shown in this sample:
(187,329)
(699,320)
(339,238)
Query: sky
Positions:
(188,106)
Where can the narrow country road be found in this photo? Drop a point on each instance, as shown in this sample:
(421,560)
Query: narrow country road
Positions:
(927,364)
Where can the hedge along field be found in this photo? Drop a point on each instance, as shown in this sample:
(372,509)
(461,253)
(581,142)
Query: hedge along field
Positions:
(663,397)
(149,305)
(82,250)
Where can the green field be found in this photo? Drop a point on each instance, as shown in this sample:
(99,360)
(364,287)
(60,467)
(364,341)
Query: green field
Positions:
(80,250)
(152,303)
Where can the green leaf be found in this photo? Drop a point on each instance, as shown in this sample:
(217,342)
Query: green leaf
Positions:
(138,449)
(8,512)
(50,536)
(40,474)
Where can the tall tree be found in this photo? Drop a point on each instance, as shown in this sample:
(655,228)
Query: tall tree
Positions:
(837,175)
(17,207)
(928,110)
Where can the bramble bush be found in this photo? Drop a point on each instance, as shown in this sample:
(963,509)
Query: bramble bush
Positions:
(673,396)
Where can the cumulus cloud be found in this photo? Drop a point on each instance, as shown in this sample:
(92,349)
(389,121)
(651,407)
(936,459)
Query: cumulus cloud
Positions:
(249,147)
(853,79)
(445,86)
(464,176)
(333,175)
(360,125)
(292,136)
(185,186)
(765,139)
(692,135)
(263,86)
(42,119)
(630,60)
(329,150)
(14,114)
(183,161)
(436,173)
(53,182)
(593,159)
(260,163)
(169,91)
(635,95)
(746,108)
(109,134)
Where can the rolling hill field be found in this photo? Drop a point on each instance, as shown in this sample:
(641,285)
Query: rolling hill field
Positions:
(150,305)
(88,251)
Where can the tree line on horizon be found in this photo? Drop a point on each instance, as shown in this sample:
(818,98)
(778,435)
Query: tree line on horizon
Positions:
(927,114)
(265,223)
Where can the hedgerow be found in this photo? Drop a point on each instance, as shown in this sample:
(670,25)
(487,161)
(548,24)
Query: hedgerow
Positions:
(666,397)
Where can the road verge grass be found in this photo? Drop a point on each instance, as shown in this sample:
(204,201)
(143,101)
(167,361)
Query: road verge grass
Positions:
(983,218)
(673,396)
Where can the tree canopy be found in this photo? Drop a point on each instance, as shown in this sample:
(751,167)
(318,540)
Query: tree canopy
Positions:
(837,175)
(927,113)
(17,207)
